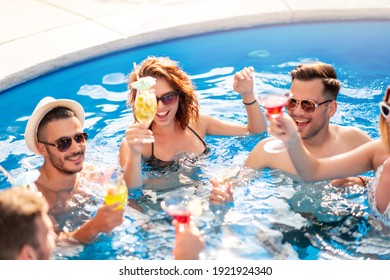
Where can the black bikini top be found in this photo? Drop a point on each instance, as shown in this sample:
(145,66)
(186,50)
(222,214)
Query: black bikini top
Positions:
(172,165)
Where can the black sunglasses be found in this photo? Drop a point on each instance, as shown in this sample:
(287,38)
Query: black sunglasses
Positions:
(307,105)
(64,143)
(385,109)
(168,98)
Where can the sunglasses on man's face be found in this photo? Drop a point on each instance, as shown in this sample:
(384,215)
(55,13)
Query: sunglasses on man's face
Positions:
(168,98)
(64,143)
(385,109)
(307,105)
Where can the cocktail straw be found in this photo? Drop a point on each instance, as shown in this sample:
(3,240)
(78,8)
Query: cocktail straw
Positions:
(135,70)
(6,174)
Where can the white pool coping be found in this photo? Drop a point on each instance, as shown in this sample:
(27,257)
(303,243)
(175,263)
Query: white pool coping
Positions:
(39,36)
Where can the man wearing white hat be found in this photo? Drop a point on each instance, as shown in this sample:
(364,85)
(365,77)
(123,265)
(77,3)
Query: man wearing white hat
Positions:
(55,131)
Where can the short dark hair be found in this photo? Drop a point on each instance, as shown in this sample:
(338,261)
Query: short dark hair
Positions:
(319,70)
(56,113)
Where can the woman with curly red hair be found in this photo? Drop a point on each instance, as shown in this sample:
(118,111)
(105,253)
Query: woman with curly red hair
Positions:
(178,125)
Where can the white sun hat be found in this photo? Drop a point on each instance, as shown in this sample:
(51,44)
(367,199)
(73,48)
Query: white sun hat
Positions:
(43,107)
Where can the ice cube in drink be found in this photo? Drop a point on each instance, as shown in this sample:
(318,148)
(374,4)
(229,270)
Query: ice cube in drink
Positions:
(145,106)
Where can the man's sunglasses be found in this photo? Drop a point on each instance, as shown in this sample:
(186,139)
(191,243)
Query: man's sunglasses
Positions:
(385,109)
(168,98)
(64,143)
(307,105)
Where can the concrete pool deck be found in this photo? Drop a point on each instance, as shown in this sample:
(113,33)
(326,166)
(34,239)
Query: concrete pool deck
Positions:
(39,36)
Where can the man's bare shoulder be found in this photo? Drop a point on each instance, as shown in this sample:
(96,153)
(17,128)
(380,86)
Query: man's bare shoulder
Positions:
(258,157)
(351,133)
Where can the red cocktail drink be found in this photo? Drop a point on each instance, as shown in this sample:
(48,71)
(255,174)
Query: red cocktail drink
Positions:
(177,208)
(179,212)
(274,104)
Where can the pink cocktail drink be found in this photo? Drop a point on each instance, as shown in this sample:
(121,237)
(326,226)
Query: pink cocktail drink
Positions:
(177,207)
(180,214)
(274,104)
(181,208)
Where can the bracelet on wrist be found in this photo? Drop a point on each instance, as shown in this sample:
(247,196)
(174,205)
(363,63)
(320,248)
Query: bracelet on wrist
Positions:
(363,180)
(249,103)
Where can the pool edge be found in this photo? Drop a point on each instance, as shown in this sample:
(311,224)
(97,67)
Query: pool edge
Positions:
(196,28)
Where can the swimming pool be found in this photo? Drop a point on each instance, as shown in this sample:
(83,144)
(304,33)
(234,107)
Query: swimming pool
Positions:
(273,216)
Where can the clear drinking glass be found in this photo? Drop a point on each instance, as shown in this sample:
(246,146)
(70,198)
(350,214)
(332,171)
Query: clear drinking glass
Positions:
(115,187)
(181,208)
(226,175)
(274,104)
(145,108)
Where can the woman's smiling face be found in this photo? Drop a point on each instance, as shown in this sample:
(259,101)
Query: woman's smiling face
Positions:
(165,113)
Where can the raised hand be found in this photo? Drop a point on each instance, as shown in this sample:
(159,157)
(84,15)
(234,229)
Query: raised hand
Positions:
(136,134)
(283,127)
(243,83)
(108,217)
(188,241)
(220,194)
(105,220)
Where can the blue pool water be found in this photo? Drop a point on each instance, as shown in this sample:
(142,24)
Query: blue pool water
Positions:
(273,216)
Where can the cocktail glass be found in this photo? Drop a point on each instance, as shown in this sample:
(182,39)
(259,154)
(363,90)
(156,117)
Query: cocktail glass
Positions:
(115,188)
(145,108)
(274,104)
(181,208)
(226,175)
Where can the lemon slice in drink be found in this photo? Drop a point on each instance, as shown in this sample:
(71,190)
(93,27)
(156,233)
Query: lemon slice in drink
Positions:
(116,193)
